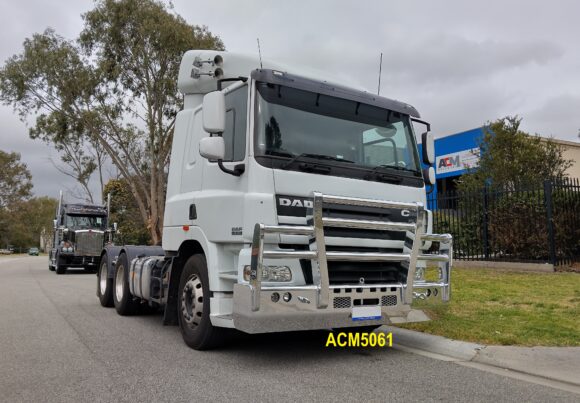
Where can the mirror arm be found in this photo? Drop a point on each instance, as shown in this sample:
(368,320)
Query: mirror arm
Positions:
(237,171)
(221,80)
(422,122)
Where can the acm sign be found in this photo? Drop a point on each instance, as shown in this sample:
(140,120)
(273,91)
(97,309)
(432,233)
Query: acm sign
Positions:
(458,161)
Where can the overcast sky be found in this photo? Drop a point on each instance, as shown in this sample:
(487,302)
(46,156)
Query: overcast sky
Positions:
(460,63)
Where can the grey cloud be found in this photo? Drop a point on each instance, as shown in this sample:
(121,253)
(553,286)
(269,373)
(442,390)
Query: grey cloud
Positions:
(559,116)
(460,63)
(452,60)
(35,154)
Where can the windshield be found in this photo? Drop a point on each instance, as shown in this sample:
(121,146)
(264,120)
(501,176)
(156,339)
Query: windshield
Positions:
(294,123)
(85,222)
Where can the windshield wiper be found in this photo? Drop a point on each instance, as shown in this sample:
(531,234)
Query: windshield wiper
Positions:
(385,176)
(277,153)
(316,156)
(398,168)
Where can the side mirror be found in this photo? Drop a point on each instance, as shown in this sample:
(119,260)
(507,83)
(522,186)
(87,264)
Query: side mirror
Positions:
(214,112)
(428,141)
(429,175)
(54,224)
(212,148)
(115,226)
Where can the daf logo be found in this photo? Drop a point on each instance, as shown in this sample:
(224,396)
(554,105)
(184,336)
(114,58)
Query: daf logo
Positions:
(405,213)
(295,202)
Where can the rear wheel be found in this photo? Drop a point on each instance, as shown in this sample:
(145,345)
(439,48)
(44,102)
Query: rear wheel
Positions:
(122,298)
(194,308)
(104,284)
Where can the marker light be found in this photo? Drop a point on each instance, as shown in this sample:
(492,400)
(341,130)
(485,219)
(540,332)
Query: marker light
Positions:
(271,273)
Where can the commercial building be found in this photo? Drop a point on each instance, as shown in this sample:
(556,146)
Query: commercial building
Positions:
(458,153)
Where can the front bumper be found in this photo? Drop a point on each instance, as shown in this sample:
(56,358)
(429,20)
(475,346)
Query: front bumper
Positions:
(71,259)
(259,308)
(302,313)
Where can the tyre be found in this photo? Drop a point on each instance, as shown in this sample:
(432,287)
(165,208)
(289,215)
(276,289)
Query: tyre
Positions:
(122,298)
(60,268)
(104,284)
(193,307)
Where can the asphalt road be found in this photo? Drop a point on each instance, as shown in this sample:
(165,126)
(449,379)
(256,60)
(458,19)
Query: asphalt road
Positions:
(58,344)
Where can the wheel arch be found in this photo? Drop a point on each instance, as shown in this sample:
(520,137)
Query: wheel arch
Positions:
(187,249)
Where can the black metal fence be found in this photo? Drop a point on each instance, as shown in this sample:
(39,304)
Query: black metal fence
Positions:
(521,224)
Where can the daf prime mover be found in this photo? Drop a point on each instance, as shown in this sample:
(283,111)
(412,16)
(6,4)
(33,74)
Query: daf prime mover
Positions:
(293,203)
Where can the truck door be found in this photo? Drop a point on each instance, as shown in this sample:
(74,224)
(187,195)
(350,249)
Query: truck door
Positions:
(220,211)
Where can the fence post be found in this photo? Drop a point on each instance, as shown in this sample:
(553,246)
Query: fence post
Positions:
(485,223)
(550,220)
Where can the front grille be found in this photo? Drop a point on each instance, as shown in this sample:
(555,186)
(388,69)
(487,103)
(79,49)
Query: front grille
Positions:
(349,272)
(88,243)
(389,300)
(341,302)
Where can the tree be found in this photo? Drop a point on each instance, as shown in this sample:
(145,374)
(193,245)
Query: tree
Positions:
(511,158)
(15,187)
(28,220)
(15,180)
(116,86)
(125,212)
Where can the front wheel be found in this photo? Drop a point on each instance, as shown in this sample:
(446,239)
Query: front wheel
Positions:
(60,268)
(105,284)
(194,307)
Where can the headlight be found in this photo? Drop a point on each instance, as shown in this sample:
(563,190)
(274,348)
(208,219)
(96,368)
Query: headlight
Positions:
(271,273)
(420,274)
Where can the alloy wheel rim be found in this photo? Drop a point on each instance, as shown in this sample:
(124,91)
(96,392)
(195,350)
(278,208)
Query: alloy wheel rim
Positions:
(192,302)
(119,282)
(103,278)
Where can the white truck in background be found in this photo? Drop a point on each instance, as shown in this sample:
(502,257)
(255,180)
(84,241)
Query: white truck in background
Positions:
(293,203)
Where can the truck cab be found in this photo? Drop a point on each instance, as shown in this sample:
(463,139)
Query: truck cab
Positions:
(293,203)
(80,232)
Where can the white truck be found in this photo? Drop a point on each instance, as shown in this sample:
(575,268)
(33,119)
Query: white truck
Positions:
(293,203)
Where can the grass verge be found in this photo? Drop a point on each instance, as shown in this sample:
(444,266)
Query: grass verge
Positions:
(507,308)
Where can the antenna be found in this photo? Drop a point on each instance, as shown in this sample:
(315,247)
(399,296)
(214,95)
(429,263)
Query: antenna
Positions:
(380,71)
(259,52)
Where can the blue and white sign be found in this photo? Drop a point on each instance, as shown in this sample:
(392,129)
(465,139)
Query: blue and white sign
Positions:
(457,161)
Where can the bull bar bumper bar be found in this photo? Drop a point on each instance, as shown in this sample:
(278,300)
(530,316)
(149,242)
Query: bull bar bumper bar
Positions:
(256,311)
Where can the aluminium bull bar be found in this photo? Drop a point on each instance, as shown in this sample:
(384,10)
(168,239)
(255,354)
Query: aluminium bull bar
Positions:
(409,256)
